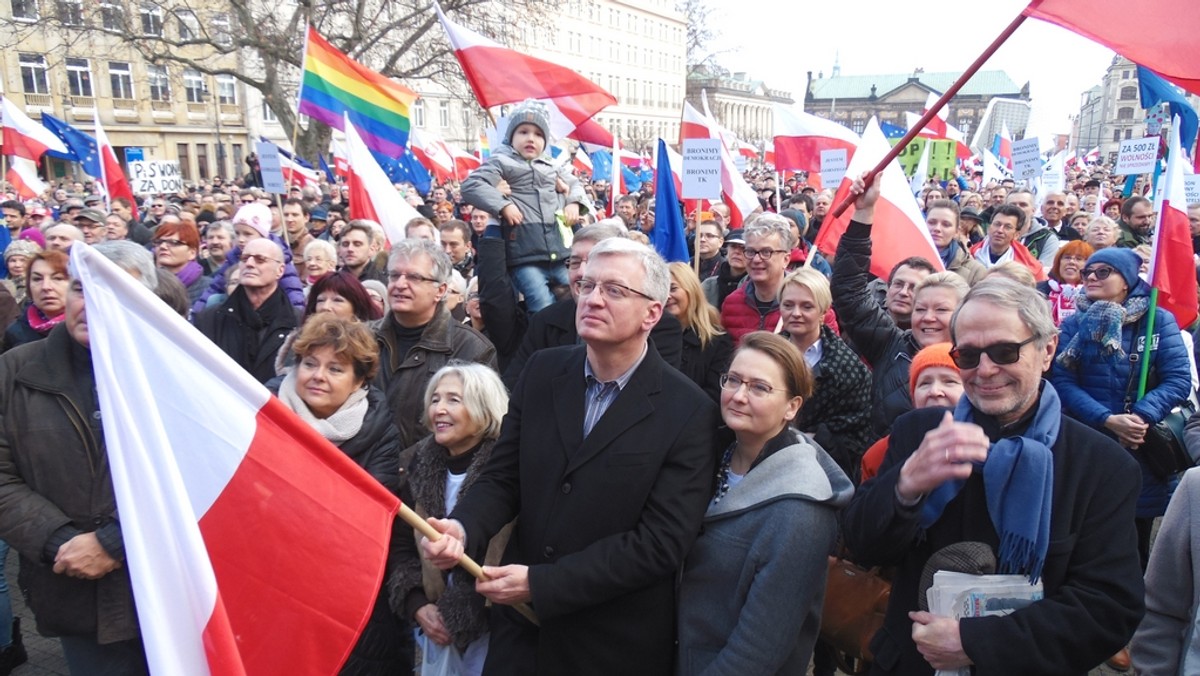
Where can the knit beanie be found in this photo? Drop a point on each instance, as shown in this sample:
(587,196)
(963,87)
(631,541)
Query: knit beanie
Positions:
(22,247)
(532,112)
(256,215)
(937,354)
(1124,261)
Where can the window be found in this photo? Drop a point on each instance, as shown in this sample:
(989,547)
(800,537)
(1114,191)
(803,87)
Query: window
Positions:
(112,16)
(152,20)
(189,25)
(33,74)
(121,80)
(70,12)
(444,114)
(1124,75)
(418,111)
(79,77)
(1125,114)
(202,160)
(1129,93)
(185,167)
(1116,135)
(237,156)
(26,10)
(268,114)
(859,126)
(1129,133)
(160,84)
(226,90)
(222,34)
(193,86)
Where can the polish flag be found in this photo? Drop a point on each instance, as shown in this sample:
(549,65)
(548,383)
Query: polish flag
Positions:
(1002,146)
(630,158)
(23,177)
(1172,268)
(254,545)
(431,152)
(499,75)
(1093,156)
(337,148)
(581,162)
(372,195)
(113,176)
(899,231)
(940,128)
(735,192)
(25,138)
(295,173)
(464,162)
(800,137)
(748,151)
(769,152)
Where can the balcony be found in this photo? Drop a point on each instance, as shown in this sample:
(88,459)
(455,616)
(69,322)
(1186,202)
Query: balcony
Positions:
(197,111)
(36,104)
(163,111)
(125,110)
(83,108)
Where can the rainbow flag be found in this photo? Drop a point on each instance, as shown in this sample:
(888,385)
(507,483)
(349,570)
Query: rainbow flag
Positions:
(334,84)
(484,149)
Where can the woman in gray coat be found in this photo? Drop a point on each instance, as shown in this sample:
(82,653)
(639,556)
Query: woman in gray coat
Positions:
(753,585)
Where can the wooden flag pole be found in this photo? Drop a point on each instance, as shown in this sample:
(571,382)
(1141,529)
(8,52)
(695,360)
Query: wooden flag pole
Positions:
(422,526)
(933,110)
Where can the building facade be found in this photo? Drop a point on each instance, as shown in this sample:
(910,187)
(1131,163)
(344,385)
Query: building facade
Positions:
(740,104)
(1112,111)
(165,111)
(853,100)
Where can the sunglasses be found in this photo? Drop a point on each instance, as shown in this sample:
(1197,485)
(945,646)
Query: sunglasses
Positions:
(1101,271)
(1001,354)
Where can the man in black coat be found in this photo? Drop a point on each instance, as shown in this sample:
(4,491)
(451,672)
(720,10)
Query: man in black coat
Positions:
(930,493)
(605,461)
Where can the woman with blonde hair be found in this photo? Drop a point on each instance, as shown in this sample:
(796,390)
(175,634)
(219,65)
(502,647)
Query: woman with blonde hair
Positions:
(707,349)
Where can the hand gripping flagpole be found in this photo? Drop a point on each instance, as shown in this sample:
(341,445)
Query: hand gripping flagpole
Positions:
(933,110)
(468,564)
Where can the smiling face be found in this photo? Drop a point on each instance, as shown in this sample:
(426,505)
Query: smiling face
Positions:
(937,386)
(801,315)
(325,380)
(769,263)
(677,301)
(451,422)
(528,141)
(932,309)
(1001,233)
(413,291)
(1005,391)
(1069,268)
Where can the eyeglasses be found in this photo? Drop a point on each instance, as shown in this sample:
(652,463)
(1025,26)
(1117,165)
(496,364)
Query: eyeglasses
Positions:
(757,388)
(1001,354)
(1101,271)
(472,296)
(159,206)
(413,277)
(709,235)
(611,290)
(764,254)
(258,259)
(169,242)
(574,262)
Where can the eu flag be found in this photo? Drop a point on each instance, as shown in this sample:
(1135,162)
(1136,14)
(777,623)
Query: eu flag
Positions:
(668,235)
(81,148)
(1155,90)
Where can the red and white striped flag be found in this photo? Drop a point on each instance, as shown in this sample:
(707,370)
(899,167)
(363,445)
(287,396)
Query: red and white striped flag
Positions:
(735,192)
(23,177)
(254,545)
(800,137)
(899,231)
(372,195)
(115,183)
(25,138)
(1172,268)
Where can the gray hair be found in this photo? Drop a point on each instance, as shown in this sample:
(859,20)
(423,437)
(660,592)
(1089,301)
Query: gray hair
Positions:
(484,396)
(408,249)
(767,224)
(654,268)
(944,280)
(132,258)
(1007,294)
(223,224)
(598,232)
(324,246)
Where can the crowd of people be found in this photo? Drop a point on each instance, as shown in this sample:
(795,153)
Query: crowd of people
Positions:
(657,460)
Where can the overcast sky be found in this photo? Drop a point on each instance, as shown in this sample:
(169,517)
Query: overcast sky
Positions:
(778,42)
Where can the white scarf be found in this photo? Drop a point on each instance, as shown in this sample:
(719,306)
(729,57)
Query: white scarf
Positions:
(342,425)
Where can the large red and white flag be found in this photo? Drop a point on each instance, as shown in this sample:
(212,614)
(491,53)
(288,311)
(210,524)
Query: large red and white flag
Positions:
(940,128)
(25,138)
(499,75)
(254,545)
(800,137)
(464,162)
(1158,34)
(372,195)
(113,176)
(769,152)
(23,177)
(735,192)
(431,151)
(1172,267)
(1003,146)
(581,162)
(295,173)
(899,231)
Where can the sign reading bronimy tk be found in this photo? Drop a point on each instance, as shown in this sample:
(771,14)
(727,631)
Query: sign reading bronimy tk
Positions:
(701,169)
(155,177)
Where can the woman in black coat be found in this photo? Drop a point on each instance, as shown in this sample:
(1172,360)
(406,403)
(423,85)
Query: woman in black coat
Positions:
(707,349)
(330,389)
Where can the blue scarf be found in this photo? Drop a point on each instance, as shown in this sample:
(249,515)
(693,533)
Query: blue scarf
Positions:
(1018,480)
(949,254)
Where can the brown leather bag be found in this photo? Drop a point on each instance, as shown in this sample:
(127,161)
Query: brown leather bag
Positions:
(856,599)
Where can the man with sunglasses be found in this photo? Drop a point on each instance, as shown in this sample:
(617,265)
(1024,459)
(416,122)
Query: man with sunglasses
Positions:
(605,460)
(1052,498)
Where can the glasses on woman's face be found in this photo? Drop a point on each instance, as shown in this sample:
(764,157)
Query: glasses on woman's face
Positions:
(1001,354)
(1100,271)
(757,388)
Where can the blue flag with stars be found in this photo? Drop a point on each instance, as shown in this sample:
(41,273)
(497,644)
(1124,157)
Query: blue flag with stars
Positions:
(81,148)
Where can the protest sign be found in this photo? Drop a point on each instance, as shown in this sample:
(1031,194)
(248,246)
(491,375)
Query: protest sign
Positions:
(271,168)
(1137,156)
(701,168)
(1027,159)
(833,166)
(155,177)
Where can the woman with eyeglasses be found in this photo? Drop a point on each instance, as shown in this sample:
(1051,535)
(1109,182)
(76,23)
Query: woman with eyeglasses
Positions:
(1096,370)
(752,587)
(176,250)
(707,349)
(1066,279)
